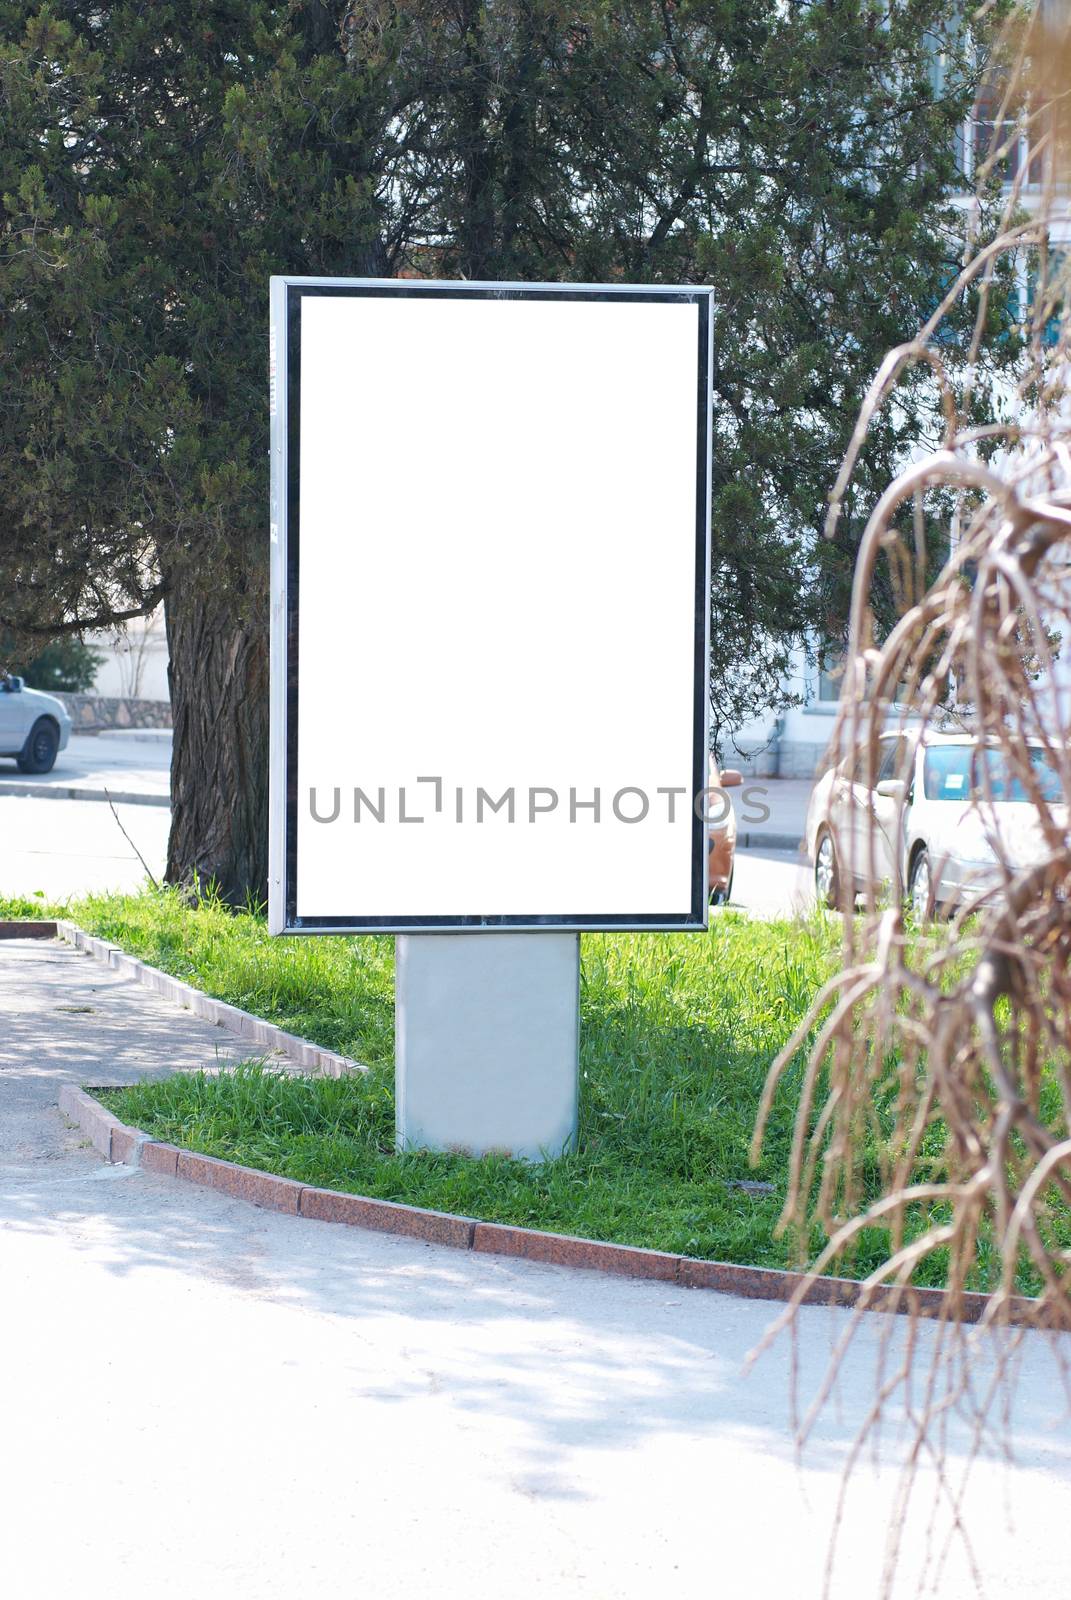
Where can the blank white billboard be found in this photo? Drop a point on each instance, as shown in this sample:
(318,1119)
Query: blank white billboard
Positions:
(489,582)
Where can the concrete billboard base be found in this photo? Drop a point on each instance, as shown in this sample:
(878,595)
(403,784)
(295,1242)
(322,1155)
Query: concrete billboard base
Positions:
(486,1042)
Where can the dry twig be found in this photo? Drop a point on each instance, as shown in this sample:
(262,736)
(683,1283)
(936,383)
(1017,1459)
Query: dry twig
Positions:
(946,1051)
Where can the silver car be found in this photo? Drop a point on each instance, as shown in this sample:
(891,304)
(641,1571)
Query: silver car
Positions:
(929,821)
(34,727)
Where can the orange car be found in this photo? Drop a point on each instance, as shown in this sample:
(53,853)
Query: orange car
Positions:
(721,844)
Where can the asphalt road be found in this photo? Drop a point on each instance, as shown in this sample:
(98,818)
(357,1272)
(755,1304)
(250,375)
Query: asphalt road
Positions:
(772,883)
(200,1398)
(64,848)
(137,761)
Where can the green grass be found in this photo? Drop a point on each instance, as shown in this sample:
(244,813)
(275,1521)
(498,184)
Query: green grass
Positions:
(677,1033)
(676,1039)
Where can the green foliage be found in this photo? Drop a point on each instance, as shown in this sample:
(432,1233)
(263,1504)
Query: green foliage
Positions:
(142,218)
(67,664)
(36,907)
(158,163)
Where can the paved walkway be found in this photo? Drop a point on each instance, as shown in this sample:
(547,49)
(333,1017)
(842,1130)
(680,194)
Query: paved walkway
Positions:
(202,1398)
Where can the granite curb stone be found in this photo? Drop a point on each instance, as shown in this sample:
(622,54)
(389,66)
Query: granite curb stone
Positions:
(80,791)
(388,1216)
(95,1121)
(311,1057)
(563,1250)
(108,1135)
(769,841)
(264,1189)
(127,1145)
(162,1158)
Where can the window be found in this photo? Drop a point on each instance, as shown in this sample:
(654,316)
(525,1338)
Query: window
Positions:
(890,753)
(989,131)
(830,674)
(893,759)
(954,772)
(1052,309)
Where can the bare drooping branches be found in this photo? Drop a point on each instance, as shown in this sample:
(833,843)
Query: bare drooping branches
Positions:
(933,1131)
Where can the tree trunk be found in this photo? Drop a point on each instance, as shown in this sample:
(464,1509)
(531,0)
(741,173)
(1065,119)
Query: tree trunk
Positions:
(518,142)
(218,676)
(476,223)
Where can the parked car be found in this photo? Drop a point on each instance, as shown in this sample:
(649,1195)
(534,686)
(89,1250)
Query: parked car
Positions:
(34,727)
(927,822)
(721,841)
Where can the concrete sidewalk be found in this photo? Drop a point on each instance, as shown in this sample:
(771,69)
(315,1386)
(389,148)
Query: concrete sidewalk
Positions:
(203,1398)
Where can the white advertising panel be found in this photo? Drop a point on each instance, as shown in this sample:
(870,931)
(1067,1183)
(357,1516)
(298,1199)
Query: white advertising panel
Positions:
(489,589)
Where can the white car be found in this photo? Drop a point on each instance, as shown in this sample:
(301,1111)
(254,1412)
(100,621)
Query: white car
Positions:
(927,823)
(34,727)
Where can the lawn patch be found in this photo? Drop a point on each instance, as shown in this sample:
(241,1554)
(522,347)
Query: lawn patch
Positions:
(677,1034)
(677,1031)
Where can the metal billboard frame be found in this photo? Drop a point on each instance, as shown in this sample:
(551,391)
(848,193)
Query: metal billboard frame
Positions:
(286,294)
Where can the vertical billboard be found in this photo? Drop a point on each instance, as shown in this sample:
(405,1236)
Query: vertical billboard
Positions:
(489,606)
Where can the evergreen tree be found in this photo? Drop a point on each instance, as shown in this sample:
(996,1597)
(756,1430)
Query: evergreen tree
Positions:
(159,162)
(66,664)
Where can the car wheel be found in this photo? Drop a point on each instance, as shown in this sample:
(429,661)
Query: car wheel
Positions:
(39,752)
(827,872)
(920,887)
(721,897)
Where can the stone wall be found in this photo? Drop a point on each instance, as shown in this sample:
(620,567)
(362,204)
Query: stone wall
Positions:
(95,713)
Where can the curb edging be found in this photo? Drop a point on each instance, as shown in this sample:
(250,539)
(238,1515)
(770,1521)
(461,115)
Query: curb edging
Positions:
(771,841)
(74,791)
(120,1144)
(302,1052)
